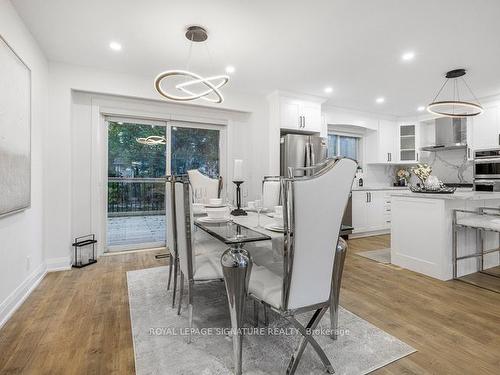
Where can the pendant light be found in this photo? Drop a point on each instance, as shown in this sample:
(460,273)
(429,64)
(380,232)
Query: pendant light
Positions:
(190,81)
(152,140)
(455,107)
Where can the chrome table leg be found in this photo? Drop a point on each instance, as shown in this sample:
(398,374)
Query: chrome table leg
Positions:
(338,267)
(236,266)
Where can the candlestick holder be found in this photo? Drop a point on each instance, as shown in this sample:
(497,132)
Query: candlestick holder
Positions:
(238,211)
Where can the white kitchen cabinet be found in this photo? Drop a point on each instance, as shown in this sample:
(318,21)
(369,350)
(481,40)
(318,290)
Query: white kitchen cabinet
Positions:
(381,145)
(485,129)
(299,115)
(371,211)
(408,143)
(359,211)
(291,113)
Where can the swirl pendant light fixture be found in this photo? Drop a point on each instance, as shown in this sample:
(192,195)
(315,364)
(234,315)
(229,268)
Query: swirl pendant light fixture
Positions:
(455,107)
(210,92)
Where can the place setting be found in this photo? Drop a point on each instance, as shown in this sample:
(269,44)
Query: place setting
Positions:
(216,212)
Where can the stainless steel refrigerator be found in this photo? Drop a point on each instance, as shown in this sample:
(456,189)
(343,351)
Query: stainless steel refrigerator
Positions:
(301,151)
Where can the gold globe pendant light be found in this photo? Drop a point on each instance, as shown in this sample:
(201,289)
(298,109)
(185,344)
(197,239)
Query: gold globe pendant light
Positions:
(455,107)
(210,92)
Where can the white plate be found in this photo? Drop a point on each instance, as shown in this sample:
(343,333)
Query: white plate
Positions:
(214,220)
(275,228)
(273,215)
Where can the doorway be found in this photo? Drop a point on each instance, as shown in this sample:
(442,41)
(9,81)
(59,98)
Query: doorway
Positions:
(140,154)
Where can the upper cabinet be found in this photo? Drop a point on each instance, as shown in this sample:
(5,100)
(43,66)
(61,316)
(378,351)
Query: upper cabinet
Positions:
(484,129)
(291,113)
(380,145)
(298,114)
(393,143)
(408,143)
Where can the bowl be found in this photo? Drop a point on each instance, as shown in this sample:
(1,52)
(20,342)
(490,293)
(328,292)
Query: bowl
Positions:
(215,201)
(217,212)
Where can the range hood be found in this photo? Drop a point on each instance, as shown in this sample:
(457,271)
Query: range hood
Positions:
(451,134)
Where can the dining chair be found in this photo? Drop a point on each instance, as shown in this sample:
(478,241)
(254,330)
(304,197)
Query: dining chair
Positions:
(313,207)
(173,265)
(271,192)
(211,187)
(194,267)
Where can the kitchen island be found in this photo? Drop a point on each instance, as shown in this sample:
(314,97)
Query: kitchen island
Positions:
(421,232)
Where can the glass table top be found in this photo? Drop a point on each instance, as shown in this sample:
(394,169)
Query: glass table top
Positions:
(232,233)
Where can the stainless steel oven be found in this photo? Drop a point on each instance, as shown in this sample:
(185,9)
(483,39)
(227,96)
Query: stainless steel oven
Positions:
(487,170)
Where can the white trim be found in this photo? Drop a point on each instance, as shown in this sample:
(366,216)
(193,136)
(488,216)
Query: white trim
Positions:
(58,264)
(369,234)
(105,107)
(9,306)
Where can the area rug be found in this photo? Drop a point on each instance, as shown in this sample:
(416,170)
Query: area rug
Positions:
(381,256)
(160,344)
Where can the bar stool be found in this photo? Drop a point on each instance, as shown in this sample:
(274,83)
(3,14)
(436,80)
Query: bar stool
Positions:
(485,219)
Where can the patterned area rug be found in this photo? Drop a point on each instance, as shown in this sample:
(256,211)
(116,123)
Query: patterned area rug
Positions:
(381,256)
(160,343)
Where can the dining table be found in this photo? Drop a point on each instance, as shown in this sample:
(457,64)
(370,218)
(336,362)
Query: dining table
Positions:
(240,234)
(237,263)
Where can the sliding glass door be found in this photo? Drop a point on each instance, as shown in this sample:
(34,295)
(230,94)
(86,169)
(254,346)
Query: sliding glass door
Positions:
(136,185)
(140,154)
(195,148)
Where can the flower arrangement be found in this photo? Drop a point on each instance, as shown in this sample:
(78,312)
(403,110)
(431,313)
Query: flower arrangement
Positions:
(422,171)
(403,174)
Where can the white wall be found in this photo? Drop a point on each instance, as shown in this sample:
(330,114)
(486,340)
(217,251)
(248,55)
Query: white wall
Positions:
(76,96)
(21,234)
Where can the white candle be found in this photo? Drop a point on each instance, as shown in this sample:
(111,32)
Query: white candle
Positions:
(238,170)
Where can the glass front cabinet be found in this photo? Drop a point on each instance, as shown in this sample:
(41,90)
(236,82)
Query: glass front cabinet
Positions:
(408,143)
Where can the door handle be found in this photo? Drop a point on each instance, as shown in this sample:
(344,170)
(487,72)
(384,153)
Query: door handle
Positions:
(366,197)
(388,157)
(304,121)
(311,149)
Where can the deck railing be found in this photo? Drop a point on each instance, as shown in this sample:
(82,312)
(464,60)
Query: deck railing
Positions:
(134,196)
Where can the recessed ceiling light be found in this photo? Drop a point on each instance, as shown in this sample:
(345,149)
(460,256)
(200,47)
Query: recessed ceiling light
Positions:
(328,90)
(421,108)
(380,100)
(407,56)
(230,69)
(115,46)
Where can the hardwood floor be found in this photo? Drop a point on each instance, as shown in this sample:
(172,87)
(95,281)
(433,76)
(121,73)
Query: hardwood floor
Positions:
(77,322)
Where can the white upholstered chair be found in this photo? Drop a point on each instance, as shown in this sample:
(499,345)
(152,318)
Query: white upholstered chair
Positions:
(171,234)
(271,192)
(313,210)
(211,187)
(205,266)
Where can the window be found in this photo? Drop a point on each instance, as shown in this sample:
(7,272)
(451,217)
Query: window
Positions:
(343,145)
(195,148)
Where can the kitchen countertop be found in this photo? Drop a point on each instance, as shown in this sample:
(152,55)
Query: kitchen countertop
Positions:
(372,188)
(458,195)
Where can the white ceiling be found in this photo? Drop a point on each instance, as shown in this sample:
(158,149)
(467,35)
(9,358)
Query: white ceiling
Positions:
(354,46)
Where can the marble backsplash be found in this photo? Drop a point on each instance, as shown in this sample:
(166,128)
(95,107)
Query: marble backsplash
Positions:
(449,166)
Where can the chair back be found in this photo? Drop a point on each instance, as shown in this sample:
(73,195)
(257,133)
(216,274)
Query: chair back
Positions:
(170,217)
(313,211)
(271,192)
(183,220)
(211,187)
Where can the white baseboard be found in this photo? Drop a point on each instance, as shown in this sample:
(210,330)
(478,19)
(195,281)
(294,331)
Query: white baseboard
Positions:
(58,264)
(369,234)
(19,295)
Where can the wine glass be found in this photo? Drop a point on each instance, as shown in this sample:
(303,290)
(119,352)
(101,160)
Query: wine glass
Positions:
(258,207)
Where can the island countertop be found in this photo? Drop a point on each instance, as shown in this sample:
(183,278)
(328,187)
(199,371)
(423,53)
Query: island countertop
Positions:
(458,195)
